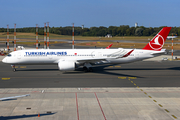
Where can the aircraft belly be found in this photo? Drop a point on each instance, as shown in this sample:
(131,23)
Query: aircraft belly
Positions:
(33,61)
(35,64)
(121,60)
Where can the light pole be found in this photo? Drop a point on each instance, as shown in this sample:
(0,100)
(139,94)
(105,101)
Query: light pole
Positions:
(172,47)
(73,37)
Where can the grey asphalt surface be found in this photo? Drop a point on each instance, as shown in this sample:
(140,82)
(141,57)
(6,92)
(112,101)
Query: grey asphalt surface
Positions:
(145,74)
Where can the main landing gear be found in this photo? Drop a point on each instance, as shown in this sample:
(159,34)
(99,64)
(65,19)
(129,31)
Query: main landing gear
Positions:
(13,68)
(87,69)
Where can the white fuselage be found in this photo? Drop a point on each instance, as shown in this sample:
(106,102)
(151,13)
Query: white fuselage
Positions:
(53,56)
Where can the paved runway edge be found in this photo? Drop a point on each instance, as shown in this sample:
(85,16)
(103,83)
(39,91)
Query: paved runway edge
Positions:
(91,103)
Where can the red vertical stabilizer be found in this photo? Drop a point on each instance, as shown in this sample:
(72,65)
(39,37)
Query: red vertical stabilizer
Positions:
(158,41)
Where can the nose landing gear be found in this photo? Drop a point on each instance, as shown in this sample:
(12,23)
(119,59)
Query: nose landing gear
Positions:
(13,68)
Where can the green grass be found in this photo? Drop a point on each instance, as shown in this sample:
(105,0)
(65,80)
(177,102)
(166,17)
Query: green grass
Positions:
(66,37)
(34,43)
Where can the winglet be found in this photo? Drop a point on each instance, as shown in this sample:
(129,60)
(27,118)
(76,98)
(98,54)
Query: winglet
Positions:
(128,53)
(109,46)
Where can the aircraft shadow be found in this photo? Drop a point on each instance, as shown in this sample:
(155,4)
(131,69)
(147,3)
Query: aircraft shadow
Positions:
(97,69)
(175,68)
(123,69)
(100,70)
(23,116)
(104,70)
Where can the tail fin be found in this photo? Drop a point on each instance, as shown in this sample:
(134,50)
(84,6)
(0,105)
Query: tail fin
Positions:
(109,46)
(158,41)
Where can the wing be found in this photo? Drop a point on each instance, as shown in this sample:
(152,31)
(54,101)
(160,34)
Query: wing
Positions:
(92,60)
(158,52)
(112,56)
(8,98)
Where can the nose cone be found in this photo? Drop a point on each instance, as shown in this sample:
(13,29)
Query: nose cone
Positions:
(4,60)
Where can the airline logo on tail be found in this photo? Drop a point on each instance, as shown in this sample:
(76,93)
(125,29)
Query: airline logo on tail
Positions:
(158,41)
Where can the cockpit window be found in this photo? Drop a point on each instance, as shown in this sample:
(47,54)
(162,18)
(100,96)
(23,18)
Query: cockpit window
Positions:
(9,55)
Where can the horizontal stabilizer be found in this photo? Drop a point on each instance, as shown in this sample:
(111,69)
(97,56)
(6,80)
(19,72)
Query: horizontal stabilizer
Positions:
(158,52)
(109,46)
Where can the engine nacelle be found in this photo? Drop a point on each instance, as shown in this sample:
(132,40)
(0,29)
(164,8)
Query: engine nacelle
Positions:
(66,65)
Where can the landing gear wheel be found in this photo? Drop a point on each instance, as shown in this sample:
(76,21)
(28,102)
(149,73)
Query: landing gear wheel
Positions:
(14,70)
(90,69)
(85,69)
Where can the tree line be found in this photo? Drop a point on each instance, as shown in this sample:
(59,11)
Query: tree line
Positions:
(123,30)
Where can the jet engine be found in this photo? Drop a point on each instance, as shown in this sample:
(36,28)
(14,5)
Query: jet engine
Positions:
(66,65)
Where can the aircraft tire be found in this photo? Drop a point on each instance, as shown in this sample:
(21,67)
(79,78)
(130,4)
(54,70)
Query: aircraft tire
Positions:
(85,69)
(90,69)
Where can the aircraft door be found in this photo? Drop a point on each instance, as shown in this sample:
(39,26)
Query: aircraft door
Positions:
(99,54)
(136,55)
(96,54)
(19,55)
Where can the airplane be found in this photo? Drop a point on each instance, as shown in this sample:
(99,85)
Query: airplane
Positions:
(13,97)
(170,37)
(70,59)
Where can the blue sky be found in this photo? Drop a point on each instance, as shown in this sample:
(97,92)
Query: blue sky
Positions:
(28,13)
